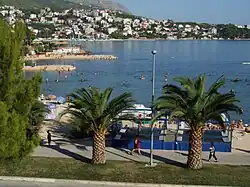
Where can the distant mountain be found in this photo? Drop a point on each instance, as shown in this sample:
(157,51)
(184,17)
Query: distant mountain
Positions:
(109,4)
(61,4)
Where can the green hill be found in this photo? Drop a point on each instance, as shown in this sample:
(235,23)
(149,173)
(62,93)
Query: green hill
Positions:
(63,4)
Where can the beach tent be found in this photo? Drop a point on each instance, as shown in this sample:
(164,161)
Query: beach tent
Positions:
(225,118)
(60,100)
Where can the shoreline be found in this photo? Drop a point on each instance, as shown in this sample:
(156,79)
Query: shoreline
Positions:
(138,39)
(49,68)
(72,57)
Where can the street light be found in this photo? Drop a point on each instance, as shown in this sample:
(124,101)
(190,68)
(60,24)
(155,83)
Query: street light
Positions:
(151,164)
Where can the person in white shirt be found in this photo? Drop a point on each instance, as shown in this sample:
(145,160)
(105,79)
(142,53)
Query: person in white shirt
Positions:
(212,153)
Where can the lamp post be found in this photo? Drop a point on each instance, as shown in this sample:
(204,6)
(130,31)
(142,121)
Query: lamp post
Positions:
(153,112)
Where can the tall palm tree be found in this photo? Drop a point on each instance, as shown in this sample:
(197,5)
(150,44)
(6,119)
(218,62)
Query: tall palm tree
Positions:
(96,109)
(195,105)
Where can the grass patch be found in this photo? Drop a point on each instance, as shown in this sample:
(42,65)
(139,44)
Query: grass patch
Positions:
(118,171)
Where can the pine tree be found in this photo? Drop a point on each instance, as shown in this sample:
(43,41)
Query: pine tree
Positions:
(17,95)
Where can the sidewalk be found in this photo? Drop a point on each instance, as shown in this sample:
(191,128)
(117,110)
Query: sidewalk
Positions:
(85,152)
(43,182)
(63,147)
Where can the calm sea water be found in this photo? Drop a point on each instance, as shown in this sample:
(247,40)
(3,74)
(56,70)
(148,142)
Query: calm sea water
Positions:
(178,58)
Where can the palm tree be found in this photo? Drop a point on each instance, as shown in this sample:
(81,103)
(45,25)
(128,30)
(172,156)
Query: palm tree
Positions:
(195,105)
(97,110)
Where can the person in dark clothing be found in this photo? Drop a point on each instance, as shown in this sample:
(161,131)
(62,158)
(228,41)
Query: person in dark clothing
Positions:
(212,153)
(49,137)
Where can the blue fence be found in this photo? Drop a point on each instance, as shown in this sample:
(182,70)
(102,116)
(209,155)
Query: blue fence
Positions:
(181,146)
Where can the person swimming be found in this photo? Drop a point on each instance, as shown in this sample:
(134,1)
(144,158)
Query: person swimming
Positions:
(142,77)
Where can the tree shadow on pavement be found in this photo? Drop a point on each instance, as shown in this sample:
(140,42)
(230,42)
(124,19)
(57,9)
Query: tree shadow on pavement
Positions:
(122,156)
(242,150)
(69,153)
(159,158)
(165,160)
(186,155)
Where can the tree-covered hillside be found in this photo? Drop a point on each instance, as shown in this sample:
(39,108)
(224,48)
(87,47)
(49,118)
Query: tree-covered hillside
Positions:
(62,4)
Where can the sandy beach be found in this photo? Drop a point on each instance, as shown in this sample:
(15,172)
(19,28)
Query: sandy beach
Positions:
(71,57)
(50,68)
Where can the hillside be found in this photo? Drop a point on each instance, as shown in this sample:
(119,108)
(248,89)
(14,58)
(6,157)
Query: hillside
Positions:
(102,3)
(61,4)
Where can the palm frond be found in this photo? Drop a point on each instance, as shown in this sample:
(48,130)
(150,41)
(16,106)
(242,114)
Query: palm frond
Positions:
(95,107)
(194,104)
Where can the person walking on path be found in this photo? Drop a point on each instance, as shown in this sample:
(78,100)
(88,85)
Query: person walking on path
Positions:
(212,153)
(137,145)
(49,137)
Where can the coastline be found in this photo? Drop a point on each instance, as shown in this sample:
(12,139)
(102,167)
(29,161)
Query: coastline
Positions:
(137,39)
(72,57)
(49,68)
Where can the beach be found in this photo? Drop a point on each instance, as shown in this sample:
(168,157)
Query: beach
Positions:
(50,68)
(71,57)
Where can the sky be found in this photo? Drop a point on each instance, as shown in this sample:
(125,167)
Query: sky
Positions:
(210,11)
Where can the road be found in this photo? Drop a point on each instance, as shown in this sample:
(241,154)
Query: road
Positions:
(37,184)
(58,184)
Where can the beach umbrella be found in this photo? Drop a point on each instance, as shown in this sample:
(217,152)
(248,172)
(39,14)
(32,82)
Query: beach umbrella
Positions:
(61,100)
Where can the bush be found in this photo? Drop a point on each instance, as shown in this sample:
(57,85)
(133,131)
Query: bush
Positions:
(17,95)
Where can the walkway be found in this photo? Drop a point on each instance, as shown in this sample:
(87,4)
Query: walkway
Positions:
(84,153)
(70,183)
(64,148)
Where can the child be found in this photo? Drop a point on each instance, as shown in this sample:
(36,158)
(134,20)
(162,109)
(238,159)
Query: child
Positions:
(212,153)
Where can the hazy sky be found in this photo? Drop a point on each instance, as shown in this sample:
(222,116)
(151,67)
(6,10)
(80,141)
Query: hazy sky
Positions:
(212,11)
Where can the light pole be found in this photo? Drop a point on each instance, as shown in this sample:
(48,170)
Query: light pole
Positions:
(153,112)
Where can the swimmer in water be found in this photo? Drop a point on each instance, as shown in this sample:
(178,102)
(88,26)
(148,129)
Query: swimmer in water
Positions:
(142,77)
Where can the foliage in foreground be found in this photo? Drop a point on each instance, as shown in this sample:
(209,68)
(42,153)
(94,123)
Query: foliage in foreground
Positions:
(118,171)
(17,95)
(195,105)
(94,110)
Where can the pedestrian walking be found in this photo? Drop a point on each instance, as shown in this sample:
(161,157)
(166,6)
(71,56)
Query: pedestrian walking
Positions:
(49,137)
(212,153)
(137,145)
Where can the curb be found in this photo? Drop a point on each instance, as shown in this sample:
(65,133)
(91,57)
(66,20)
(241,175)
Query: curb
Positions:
(100,183)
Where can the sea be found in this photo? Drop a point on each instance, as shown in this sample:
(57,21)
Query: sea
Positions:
(175,58)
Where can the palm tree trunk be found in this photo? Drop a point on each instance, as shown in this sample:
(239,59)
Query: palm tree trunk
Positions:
(98,153)
(195,149)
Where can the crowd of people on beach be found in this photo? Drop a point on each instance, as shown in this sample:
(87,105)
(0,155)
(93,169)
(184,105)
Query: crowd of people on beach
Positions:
(70,56)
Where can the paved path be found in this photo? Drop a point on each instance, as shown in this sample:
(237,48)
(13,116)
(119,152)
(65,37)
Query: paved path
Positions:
(39,184)
(18,183)
(63,147)
(84,152)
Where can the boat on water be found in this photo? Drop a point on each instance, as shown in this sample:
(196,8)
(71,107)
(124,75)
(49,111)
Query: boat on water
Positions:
(166,77)
(246,63)
(138,111)
(236,79)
